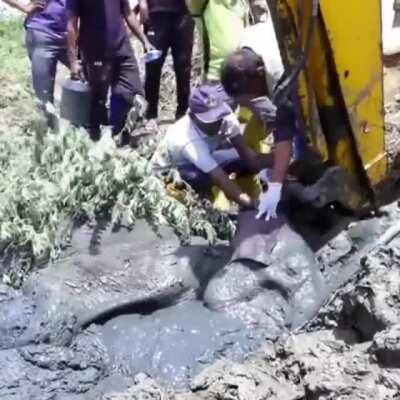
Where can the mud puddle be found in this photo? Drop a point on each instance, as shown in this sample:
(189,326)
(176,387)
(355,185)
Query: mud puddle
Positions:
(174,344)
(350,351)
(119,304)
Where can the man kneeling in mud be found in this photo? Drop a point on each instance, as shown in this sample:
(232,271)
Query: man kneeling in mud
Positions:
(206,146)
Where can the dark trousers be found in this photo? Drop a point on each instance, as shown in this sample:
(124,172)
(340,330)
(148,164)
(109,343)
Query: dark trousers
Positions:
(165,31)
(202,182)
(121,75)
(45,51)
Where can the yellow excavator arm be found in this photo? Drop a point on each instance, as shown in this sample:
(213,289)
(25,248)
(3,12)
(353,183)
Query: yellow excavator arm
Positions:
(341,86)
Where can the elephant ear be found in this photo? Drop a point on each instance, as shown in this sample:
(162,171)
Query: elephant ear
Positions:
(255,238)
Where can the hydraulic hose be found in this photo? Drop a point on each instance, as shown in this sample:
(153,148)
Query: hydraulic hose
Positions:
(283,89)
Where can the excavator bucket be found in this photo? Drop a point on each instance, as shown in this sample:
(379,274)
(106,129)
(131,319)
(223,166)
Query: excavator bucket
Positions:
(340,90)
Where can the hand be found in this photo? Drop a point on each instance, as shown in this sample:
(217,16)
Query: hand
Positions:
(230,127)
(77,71)
(147,46)
(269,201)
(264,176)
(34,6)
(143,12)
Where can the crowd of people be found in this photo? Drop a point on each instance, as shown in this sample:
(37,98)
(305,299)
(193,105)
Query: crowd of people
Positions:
(242,66)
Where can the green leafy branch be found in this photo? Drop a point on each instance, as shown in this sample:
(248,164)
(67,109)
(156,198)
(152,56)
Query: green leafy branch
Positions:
(51,179)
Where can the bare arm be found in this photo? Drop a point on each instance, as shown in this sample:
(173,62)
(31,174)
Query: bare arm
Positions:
(29,8)
(134,25)
(255,161)
(283,119)
(72,44)
(144,11)
(282,155)
(230,188)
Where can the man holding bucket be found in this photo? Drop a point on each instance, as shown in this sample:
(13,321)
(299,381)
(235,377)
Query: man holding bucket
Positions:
(108,59)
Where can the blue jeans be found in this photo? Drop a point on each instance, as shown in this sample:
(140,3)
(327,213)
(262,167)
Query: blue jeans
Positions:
(45,51)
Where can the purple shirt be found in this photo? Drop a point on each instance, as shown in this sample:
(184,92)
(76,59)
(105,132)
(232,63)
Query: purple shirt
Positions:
(102,29)
(52,20)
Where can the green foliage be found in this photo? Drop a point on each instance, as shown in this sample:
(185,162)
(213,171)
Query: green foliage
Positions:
(17,106)
(53,179)
(12,52)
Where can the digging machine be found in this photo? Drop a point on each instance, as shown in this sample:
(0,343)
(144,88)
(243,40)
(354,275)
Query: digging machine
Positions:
(333,53)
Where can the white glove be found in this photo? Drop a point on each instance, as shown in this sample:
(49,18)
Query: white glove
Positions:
(230,126)
(264,176)
(269,200)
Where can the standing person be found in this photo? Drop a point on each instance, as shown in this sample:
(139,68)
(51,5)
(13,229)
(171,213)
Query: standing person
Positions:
(108,58)
(221,23)
(46,42)
(250,75)
(168,25)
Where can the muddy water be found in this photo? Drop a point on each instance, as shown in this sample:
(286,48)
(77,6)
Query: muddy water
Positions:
(120,303)
(351,351)
(174,344)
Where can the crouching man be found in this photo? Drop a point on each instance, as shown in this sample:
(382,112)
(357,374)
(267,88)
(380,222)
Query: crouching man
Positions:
(206,146)
(249,76)
(108,57)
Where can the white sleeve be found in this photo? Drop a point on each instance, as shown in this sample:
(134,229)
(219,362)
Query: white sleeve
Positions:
(198,153)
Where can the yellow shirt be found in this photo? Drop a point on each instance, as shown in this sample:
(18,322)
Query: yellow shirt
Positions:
(224,22)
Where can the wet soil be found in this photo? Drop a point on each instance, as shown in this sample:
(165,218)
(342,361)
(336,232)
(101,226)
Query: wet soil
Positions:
(108,322)
(350,351)
(124,302)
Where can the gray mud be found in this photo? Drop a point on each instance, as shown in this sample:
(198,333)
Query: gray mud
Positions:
(118,303)
(351,351)
(132,314)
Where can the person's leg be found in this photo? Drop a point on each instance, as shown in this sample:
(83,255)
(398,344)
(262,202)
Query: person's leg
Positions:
(182,45)
(158,32)
(99,77)
(43,55)
(125,87)
(98,112)
(62,54)
(198,180)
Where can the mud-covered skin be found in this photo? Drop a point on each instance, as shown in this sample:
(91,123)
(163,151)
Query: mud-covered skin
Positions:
(272,279)
(174,344)
(139,298)
(118,304)
(106,273)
